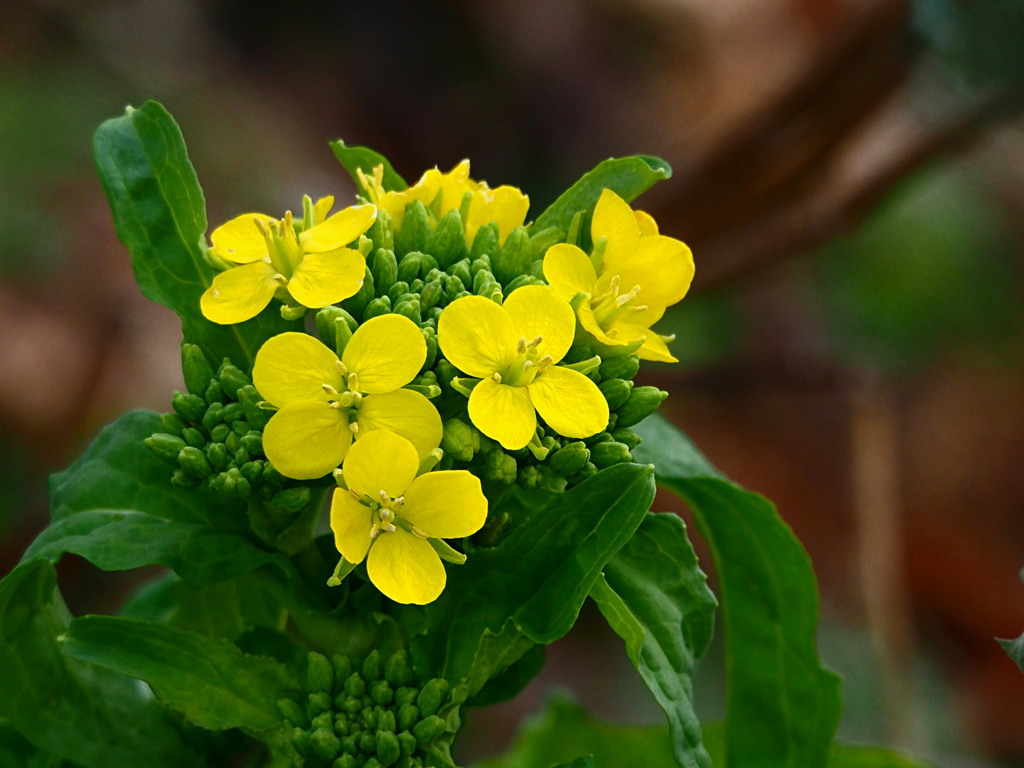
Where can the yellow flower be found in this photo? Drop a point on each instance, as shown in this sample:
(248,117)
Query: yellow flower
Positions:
(505,205)
(629,283)
(325,402)
(388,516)
(312,267)
(513,349)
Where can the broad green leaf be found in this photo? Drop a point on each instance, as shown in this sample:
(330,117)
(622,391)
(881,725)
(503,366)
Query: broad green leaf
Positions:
(365,159)
(211,682)
(160,215)
(563,731)
(117,508)
(530,588)
(628,177)
(1015,648)
(513,680)
(783,706)
(655,596)
(92,716)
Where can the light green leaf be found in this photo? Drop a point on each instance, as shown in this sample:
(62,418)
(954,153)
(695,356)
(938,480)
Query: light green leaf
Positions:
(655,596)
(628,177)
(783,706)
(365,159)
(82,713)
(160,215)
(211,682)
(1015,648)
(117,508)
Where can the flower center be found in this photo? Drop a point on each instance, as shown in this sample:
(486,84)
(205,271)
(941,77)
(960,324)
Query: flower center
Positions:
(348,400)
(528,362)
(614,305)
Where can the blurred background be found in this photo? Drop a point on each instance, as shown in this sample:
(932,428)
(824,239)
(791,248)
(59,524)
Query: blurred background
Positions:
(849,174)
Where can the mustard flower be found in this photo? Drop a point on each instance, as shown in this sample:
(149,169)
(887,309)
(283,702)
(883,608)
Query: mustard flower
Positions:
(325,403)
(634,274)
(512,349)
(309,265)
(505,205)
(388,516)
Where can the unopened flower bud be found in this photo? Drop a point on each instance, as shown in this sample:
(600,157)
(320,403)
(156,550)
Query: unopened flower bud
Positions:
(626,436)
(397,670)
(334,325)
(406,695)
(172,424)
(291,500)
(615,391)
(320,673)
(569,459)
(378,306)
(217,455)
(382,693)
(428,729)
(231,379)
(166,446)
(406,743)
(196,368)
(608,453)
(619,367)
(432,293)
(293,713)
(409,308)
(415,228)
(384,266)
(461,270)
(215,393)
(458,440)
(486,240)
(325,744)
(318,707)
(372,667)
(189,407)
(514,257)
(194,462)
(408,716)
(409,266)
(432,695)
(522,280)
(499,467)
(194,437)
(249,399)
(342,666)
(347,760)
(641,403)
(388,750)
(355,685)
(447,242)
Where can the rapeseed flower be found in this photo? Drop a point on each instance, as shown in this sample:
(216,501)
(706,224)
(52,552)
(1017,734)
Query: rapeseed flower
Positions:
(326,402)
(389,516)
(513,349)
(309,264)
(632,276)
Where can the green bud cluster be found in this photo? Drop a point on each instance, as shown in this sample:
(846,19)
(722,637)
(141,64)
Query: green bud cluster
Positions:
(370,715)
(214,436)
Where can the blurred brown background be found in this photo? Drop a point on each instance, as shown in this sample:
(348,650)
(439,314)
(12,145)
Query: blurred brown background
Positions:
(849,174)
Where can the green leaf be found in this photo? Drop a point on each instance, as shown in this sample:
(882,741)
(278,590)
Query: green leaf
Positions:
(783,706)
(160,215)
(628,177)
(210,682)
(117,508)
(530,588)
(513,680)
(655,596)
(89,715)
(365,159)
(1015,648)
(563,730)
(856,756)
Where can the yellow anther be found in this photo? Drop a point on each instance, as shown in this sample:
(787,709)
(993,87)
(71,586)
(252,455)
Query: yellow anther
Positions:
(281,279)
(536,342)
(497,377)
(329,389)
(354,428)
(353,382)
(521,346)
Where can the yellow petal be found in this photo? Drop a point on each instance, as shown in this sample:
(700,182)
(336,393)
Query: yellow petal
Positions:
(351,523)
(655,348)
(386,352)
(325,278)
(454,186)
(569,402)
(406,413)
(503,413)
(239,293)
(239,240)
(405,568)
(646,222)
(306,440)
(537,310)
(338,230)
(446,504)
(506,205)
(591,326)
(614,220)
(477,336)
(662,266)
(295,366)
(380,461)
(569,271)
(321,207)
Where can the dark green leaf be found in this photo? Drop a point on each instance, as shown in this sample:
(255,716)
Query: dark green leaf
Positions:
(80,712)
(513,680)
(655,596)
(783,706)
(210,682)
(564,730)
(628,177)
(365,159)
(1016,650)
(117,508)
(531,587)
(160,215)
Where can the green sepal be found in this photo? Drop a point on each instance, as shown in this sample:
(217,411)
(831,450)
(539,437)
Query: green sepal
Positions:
(415,229)
(409,266)
(446,552)
(447,241)
(615,391)
(515,256)
(486,241)
(384,267)
(195,368)
(641,403)
(366,159)
(619,367)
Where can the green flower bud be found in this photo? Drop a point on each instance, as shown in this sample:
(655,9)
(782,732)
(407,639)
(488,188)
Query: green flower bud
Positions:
(214,415)
(543,239)
(217,455)
(382,693)
(486,241)
(233,412)
(272,477)
(428,729)
(551,481)
(608,453)
(318,707)
(428,268)
(499,467)
(409,266)
(514,257)
(415,228)
(460,269)
(406,695)
(189,407)
(381,232)
(231,379)
(196,368)
(642,402)
(291,500)
(615,391)
(372,667)
(453,288)
(373,762)
(248,402)
(520,281)
(320,673)
(342,666)
(303,742)
(384,268)
(347,760)
(242,488)
(240,427)
(220,433)
(325,744)
(408,716)
(167,447)
(356,305)
(406,743)
(353,704)
(388,750)
(368,742)
(432,695)
(432,293)
(252,442)
(232,442)
(355,685)
(376,307)
(172,424)
(398,291)
(626,436)
(350,746)
(397,670)
(484,284)
(194,437)
(253,472)
(481,263)
(342,726)
(409,308)
(588,469)
(619,367)
(569,459)
(182,479)
(293,713)
(529,477)
(194,462)
(334,324)
(215,393)
(459,440)
(447,243)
